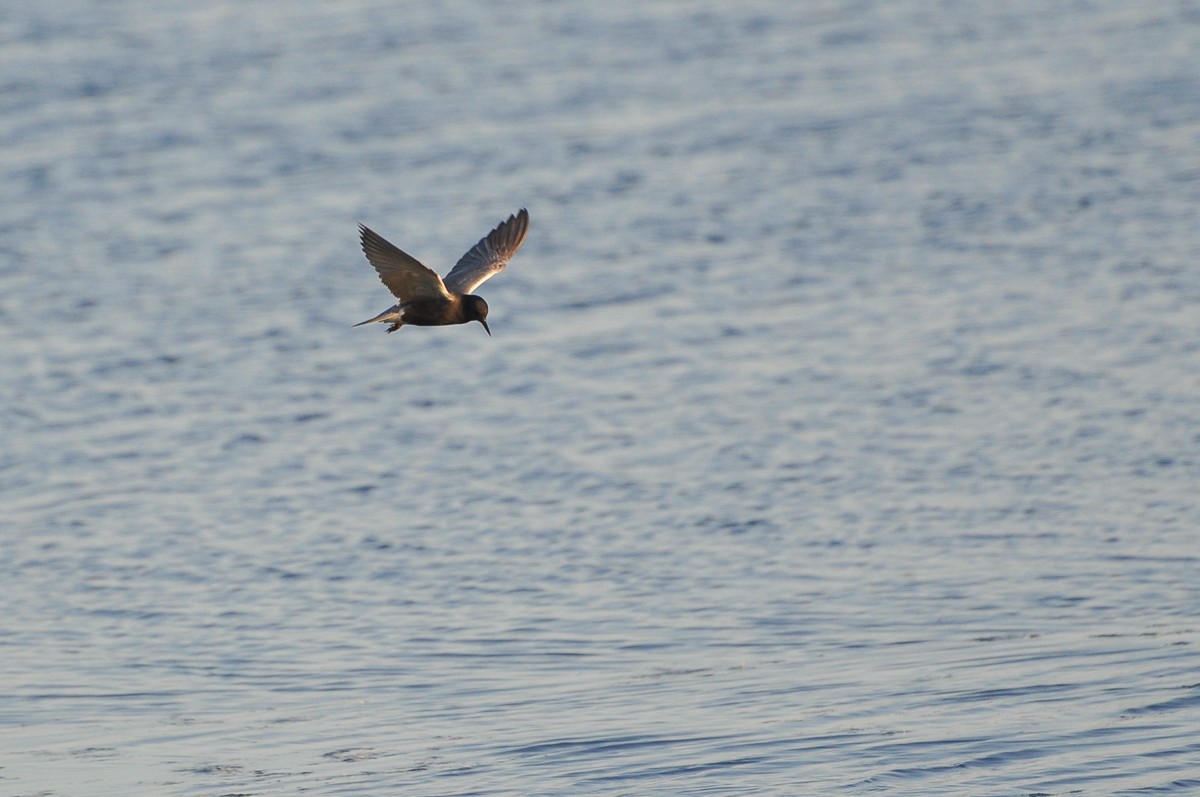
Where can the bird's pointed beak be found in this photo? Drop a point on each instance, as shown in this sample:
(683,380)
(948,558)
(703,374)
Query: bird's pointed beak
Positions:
(485,327)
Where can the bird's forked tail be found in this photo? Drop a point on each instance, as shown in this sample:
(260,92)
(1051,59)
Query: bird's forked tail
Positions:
(391,311)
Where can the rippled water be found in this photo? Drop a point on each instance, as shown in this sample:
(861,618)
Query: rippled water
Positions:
(838,434)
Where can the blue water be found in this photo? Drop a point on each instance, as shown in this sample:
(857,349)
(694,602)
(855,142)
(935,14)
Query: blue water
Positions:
(838,434)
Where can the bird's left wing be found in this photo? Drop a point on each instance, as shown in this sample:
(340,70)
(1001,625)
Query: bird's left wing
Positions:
(405,276)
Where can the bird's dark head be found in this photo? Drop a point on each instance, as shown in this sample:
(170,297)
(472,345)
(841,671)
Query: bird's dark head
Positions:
(476,309)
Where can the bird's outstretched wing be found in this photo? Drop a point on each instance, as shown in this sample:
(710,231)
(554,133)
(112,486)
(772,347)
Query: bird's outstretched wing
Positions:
(405,276)
(489,257)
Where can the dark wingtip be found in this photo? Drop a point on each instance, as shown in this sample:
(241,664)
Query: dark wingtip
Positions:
(516,228)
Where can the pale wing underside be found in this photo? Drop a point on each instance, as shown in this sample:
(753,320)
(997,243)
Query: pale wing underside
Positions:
(405,276)
(489,257)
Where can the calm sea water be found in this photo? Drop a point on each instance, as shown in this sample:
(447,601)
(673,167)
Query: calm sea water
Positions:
(838,434)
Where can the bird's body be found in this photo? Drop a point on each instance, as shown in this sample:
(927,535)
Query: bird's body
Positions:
(436,312)
(425,300)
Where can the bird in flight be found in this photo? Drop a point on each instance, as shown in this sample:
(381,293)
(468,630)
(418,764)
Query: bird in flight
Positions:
(424,298)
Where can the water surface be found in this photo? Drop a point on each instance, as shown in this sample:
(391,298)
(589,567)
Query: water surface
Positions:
(838,434)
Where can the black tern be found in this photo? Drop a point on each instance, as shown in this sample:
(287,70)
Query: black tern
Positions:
(425,300)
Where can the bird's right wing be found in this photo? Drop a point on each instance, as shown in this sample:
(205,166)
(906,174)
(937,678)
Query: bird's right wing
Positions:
(489,257)
(405,276)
